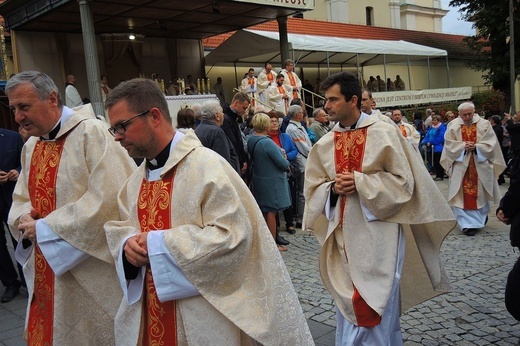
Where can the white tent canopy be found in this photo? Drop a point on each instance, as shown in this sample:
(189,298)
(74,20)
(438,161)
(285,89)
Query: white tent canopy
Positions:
(257,47)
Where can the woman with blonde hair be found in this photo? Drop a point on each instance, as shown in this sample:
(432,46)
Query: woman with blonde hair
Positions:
(269,180)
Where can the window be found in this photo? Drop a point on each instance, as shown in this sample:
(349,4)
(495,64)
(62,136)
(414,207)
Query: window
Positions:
(370,15)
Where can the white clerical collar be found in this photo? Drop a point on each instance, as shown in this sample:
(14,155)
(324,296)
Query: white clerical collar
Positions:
(155,174)
(65,115)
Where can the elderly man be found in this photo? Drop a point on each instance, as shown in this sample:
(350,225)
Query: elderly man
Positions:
(212,136)
(280,95)
(291,79)
(320,125)
(71,173)
(195,257)
(266,78)
(473,159)
(363,185)
(303,143)
(238,107)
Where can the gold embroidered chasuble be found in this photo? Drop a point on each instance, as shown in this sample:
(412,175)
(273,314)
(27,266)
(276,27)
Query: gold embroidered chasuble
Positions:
(159,327)
(470,180)
(220,241)
(91,169)
(412,136)
(487,171)
(42,186)
(396,188)
(349,150)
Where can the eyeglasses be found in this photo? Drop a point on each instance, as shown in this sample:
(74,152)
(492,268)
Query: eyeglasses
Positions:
(120,128)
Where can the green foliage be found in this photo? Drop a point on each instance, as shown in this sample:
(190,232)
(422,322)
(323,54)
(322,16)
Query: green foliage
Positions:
(489,102)
(491,42)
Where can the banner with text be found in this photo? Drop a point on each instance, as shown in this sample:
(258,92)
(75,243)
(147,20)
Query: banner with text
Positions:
(414,97)
(299,4)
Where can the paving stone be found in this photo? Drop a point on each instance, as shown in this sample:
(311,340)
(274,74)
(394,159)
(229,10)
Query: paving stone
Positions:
(472,314)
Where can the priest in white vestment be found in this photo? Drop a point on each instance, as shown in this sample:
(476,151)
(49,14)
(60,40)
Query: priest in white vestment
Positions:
(408,131)
(366,193)
(280,96)
(473,160)
(291,79)
(71,173)
(266,78)
(249,86)
(195,259)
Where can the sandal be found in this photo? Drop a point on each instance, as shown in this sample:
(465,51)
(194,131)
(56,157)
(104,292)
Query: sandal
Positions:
(282,248)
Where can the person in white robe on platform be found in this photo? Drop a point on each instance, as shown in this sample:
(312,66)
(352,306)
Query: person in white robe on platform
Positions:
(472,159)
(249,86)
(72,97)
(71,173)
(280,96)
(266,78)
(291,79)
(366,192)
(192,241)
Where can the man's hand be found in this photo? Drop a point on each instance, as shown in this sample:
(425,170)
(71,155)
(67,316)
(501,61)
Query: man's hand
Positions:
(13,175)
(27,224)
(4,177)
(469,146)
(134,251)
(503,218)
(345,184)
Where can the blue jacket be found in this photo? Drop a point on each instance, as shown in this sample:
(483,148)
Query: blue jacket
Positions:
(435,136)
(288,145)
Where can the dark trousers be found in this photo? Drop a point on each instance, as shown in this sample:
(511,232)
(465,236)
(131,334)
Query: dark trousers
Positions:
(299,201)
(439,171)
(8,275)
(512,296)
(288,214)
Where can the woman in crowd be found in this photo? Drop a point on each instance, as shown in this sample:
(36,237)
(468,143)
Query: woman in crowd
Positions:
(284,141)
(269,179)
(185,120)
(434,139)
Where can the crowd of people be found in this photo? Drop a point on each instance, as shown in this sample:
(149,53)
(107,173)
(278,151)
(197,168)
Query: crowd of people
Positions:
(187,246)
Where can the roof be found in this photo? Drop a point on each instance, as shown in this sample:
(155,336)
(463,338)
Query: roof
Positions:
(152,18)
(448,42)
(256,46)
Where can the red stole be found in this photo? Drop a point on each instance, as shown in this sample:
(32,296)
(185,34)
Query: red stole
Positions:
(154,213)
(43,175)
(270,76)
(470,181)
(403,130)
(349,150)
(105,89)
(293,84)
(251,82)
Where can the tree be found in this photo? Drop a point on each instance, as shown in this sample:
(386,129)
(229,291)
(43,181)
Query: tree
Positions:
(490,44)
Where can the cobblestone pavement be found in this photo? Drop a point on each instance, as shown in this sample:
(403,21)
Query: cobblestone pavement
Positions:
(472,314)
